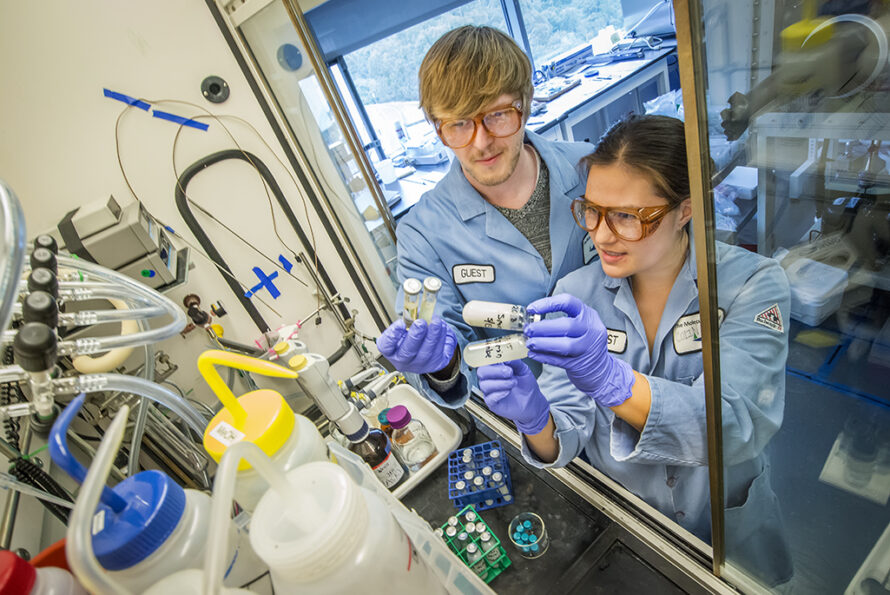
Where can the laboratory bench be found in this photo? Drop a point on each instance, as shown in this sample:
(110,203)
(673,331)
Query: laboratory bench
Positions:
(588,552)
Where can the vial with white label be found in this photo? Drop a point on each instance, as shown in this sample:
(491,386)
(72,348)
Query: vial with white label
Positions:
(411,288)
(431,287)
(508,317)
(495,351)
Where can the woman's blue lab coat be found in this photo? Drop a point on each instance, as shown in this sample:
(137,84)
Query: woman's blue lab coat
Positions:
(456,235)
(666,464)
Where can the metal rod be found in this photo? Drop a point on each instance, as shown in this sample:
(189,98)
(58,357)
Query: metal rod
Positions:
(339,111)
(11,507)
(691,56)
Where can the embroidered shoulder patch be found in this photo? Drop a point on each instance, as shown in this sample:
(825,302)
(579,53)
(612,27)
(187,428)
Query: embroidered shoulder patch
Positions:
(771,318)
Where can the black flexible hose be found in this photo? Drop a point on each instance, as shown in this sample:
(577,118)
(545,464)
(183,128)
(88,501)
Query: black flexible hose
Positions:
(341,351)
(28,472)
(209,248)
(10,392)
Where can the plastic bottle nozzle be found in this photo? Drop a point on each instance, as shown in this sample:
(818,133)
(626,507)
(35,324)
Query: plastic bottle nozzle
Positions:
(207,361)
(62,456)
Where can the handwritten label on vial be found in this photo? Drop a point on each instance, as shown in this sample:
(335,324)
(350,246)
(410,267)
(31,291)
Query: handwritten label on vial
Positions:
(226,434)
(389,472)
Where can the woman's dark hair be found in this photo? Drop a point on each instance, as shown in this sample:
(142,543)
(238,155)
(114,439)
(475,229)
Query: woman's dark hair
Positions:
(653,145)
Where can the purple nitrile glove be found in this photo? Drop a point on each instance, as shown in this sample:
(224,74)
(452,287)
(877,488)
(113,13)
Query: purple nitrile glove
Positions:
(511,391)
(578,343)
(422,349)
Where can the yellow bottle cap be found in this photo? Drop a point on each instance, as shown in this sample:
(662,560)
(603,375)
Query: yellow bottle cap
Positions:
(218,329)
(268,424)
(297,362)
(261,416)
(806,34)
(281,347)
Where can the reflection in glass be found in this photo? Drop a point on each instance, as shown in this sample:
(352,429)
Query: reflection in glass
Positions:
(798,117)
(385,75)
(302,101)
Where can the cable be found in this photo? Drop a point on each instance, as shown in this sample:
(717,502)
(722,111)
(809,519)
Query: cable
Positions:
(28,472)
(168,228)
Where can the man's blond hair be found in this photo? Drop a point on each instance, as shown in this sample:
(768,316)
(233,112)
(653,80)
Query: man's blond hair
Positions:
(468,68)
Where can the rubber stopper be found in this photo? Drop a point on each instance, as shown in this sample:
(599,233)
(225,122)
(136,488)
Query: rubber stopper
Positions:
(40,306)
(35,347)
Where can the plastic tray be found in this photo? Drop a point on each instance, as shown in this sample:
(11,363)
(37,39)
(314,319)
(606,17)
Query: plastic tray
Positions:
(457,578)
(444,432)
(491,495)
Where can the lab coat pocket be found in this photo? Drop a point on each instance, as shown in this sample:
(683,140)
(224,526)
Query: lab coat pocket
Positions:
(755,534)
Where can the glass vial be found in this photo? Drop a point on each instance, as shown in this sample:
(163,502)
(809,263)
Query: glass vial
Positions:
(475,561)
(412,440)
(431,287)
(495,351)
(411,288)
(508,317)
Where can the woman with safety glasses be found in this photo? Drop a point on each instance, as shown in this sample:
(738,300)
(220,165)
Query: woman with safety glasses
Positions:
(622,380)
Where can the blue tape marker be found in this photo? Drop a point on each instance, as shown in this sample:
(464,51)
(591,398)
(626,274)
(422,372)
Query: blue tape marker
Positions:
(126,99)
(265,281)
(170,229)
(285,263)
(178,119)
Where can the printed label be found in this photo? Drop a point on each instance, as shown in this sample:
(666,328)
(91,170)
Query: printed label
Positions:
(389,472)
(588,249)
(98,522)
(687,332)
(616,341)
(771,318)
(226,434)
(472,273)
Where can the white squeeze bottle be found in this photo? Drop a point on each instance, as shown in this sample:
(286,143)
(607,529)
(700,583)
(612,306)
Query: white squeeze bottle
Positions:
(19,577)
(148,527)
(262,417)
(323,533)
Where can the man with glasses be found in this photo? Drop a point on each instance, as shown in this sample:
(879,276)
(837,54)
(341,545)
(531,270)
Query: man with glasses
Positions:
(498,227)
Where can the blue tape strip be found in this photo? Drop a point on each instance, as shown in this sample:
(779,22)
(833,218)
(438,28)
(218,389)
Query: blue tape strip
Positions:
(265,281)
(285,263)
(178,119)
(126,99)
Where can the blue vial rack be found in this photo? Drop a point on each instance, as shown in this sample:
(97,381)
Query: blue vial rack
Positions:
(491,493)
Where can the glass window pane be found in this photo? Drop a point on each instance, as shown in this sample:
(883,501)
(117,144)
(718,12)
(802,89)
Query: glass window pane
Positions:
(556,26)
(800,143)
(385,74)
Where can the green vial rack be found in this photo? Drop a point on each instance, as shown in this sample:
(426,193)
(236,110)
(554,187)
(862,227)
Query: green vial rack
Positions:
(492,566)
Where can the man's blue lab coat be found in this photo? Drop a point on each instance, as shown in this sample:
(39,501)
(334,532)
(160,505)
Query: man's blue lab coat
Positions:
(454,234)
(666,464)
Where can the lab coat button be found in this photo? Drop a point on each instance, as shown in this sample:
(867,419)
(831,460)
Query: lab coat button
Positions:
(680,515)
(671,481)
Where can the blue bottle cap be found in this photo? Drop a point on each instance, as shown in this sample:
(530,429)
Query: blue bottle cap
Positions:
(527,524)
(535,547)
(155,505)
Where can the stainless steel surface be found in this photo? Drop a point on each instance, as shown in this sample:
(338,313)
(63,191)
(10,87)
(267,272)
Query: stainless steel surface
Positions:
(691,54)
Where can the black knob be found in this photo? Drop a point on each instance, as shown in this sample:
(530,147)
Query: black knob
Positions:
(40,306)
(34,347)
(43,258)
(44,280)
(48,242)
